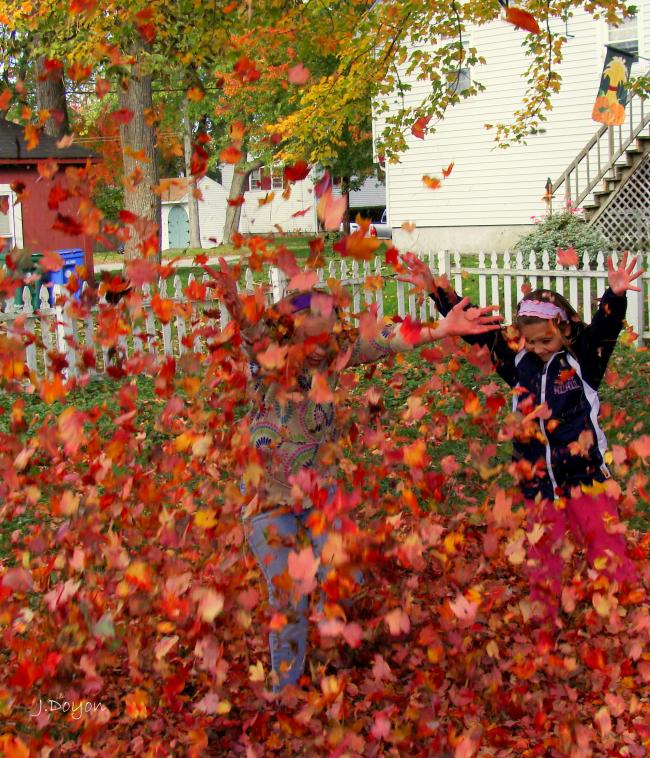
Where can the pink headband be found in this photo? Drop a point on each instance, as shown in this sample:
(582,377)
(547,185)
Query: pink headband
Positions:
(541,309)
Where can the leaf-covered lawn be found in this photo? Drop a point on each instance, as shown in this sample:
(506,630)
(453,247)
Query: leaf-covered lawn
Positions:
(126,581)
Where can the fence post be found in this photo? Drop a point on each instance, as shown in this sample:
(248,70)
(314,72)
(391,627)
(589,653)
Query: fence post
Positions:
(277,284)
(635,314)
(65,332)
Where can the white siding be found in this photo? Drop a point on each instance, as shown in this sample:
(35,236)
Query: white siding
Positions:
(488,185)
(278,215)
(212,212)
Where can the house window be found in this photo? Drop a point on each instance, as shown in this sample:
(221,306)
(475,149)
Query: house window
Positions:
(625,36)
(5,222)
(255,180)
(277,178)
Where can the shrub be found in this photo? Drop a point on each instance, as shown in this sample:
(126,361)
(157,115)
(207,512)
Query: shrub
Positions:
(564,229)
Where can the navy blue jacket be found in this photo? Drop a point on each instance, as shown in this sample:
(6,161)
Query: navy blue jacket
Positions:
(568,384)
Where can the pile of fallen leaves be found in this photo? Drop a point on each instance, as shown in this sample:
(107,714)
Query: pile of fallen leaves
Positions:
(133,618)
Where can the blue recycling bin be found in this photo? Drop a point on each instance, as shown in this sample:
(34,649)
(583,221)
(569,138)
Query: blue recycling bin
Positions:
(71,259)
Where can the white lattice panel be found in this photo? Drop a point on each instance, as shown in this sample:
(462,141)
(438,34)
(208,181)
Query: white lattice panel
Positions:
(625,223)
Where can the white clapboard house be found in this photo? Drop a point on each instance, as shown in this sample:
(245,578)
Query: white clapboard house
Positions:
(493,195)
(265,210)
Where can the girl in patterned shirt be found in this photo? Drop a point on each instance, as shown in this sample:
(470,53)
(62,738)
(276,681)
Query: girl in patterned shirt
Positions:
(297,350)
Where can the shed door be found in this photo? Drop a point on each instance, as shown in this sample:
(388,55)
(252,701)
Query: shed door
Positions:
(179,227)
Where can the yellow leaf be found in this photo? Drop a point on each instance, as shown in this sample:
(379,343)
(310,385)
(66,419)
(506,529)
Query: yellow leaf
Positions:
(492,649)
(69,503)
(182,442)
(201,446)
(256,672)
(205,519)
(210,605)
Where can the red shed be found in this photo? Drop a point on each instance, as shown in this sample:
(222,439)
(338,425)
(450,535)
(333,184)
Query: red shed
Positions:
(29,221)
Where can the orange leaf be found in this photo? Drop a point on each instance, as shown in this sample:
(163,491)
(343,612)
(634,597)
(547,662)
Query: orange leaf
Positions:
(320,391)
(431,182)
(102,87)
(195,94)
(268,198)
(78,73)
(522,20)
(567,257)
(330,210)
(419,126)
(162,307)
(51,261)
(448,170)
(237,131)
(274,357)
(230,154)
(5,99)
(47,168)
(31,136)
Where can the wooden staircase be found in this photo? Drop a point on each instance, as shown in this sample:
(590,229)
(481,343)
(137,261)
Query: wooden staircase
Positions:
(603,167)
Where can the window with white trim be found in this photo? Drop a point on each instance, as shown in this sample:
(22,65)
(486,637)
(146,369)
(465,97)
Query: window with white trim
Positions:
(277,178)
(625,36)
(5,221)
(255,180)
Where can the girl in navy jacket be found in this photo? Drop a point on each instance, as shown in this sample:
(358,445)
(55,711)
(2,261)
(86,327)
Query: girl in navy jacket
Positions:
(558,362)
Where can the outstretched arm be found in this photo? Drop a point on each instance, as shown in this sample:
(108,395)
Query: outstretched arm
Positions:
(597,342)
(227,291)
(399,338)
(446,299)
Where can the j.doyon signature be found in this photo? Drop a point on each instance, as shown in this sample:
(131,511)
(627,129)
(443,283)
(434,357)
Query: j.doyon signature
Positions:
(77,709)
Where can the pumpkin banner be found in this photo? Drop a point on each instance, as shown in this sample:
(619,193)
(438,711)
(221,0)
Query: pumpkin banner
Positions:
(609,108)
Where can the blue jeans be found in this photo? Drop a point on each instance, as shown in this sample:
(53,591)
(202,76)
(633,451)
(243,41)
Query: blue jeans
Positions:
(289,644)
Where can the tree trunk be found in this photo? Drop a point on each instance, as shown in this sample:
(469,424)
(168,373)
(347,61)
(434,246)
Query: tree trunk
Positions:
(50,96)
(345,193)
(140,176)
(237,188)
(192,201)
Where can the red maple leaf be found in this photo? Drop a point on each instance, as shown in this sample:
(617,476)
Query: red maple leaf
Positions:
(419,126)
(122,116)
(295,173)
(522,20)
(51,261)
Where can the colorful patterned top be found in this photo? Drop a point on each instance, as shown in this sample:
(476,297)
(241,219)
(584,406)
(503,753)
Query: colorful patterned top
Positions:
(290,434)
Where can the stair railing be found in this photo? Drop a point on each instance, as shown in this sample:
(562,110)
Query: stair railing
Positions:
(601,153)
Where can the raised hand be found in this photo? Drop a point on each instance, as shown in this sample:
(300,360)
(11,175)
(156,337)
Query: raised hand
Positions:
(621,278)
(462,321)
(419,274)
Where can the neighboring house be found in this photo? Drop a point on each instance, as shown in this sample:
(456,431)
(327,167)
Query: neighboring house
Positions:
(28,221)
(264,211)
(370,198)
(175,225)
(493,195)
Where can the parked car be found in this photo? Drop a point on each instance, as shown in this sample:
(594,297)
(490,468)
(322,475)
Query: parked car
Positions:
(383,229)
(354,227)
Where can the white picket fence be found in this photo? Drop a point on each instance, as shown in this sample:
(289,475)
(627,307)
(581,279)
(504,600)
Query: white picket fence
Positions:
(490,278)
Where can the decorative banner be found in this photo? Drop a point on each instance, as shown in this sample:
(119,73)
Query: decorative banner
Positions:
(609,107)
